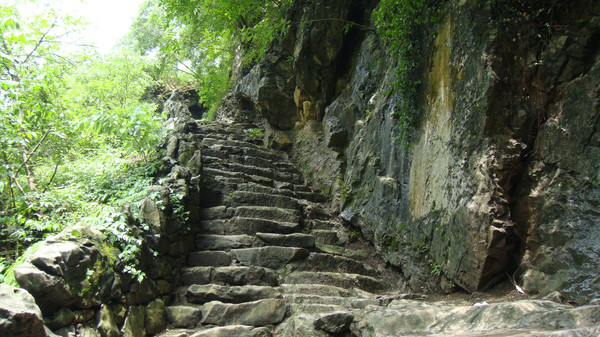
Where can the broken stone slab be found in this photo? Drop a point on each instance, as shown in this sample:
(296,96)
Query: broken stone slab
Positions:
(200,294)
(183,316)
(234,330)
(273,257)
(257,313)
(19,314)
(334,323)
(287,240)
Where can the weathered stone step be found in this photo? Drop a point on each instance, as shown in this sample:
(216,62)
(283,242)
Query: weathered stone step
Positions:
(287,240)
(343,280)
(222,183)
(347,302)
(314,308)
(283,166)
(322,224)
(208,258)
(201,294)
(183,316)
(257,313)
(243,177)
(233,331)
(248,226)
(330,262)
(231,275)
(266,212)
(357,254)
(240,148)
(273,257)
(326,237)
(242,198)
(316,289)
(223,242)
(270,173)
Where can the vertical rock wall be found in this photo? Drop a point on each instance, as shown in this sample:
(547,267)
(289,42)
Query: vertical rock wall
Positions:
(501,174)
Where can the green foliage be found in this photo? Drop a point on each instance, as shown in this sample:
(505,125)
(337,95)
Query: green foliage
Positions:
(194,41)
(255,133)
(105,102)
(397,23)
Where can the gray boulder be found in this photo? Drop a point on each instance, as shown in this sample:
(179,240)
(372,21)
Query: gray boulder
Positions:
(19,314)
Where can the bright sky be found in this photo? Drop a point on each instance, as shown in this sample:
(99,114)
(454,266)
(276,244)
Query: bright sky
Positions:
(109,19)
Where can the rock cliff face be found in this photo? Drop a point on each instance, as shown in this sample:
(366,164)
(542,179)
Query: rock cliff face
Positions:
(501,174)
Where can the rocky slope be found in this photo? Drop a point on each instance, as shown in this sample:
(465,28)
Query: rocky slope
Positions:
(500,176)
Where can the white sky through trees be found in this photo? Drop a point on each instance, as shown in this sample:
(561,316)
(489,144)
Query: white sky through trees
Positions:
(108,20)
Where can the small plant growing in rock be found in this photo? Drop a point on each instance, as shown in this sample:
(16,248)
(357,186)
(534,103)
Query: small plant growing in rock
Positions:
(255,133)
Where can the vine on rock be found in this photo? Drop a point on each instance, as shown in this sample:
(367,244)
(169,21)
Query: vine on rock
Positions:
(397,23)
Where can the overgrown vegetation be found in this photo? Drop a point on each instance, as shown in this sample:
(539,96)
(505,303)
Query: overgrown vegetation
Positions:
(398,23)
(194,41)
(76,137)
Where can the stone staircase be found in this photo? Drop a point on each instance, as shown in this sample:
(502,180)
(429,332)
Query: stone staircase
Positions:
(269,259)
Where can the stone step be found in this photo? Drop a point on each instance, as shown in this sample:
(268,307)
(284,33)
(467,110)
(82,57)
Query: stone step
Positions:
(256,313)
(244,198)
(208,259)
(316,223)
(259,212)
(326,237)
(254,171)
(314,308)
(231,275)
(211,146)
(248,226)
(330,262)
(233,330)
(228,184)
(243,177)
(347,302)
(183,316)
(201,294)
(287,240)
(266,212)
(284,166)
(343,280)
(357,254)
(273,257)
(316,289)
(223,242)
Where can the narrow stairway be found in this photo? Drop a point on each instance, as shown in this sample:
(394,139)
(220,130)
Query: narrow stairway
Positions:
(269,258)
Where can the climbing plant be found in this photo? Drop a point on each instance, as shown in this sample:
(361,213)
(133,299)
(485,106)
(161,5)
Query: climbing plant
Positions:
(397,23)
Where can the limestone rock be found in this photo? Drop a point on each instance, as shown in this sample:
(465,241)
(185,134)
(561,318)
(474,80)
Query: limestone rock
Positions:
(19,314)
(234,330)
(134,325)
(61,318)
(156,317)
(183,316)
(56,274)
(106,324)
(334,323)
